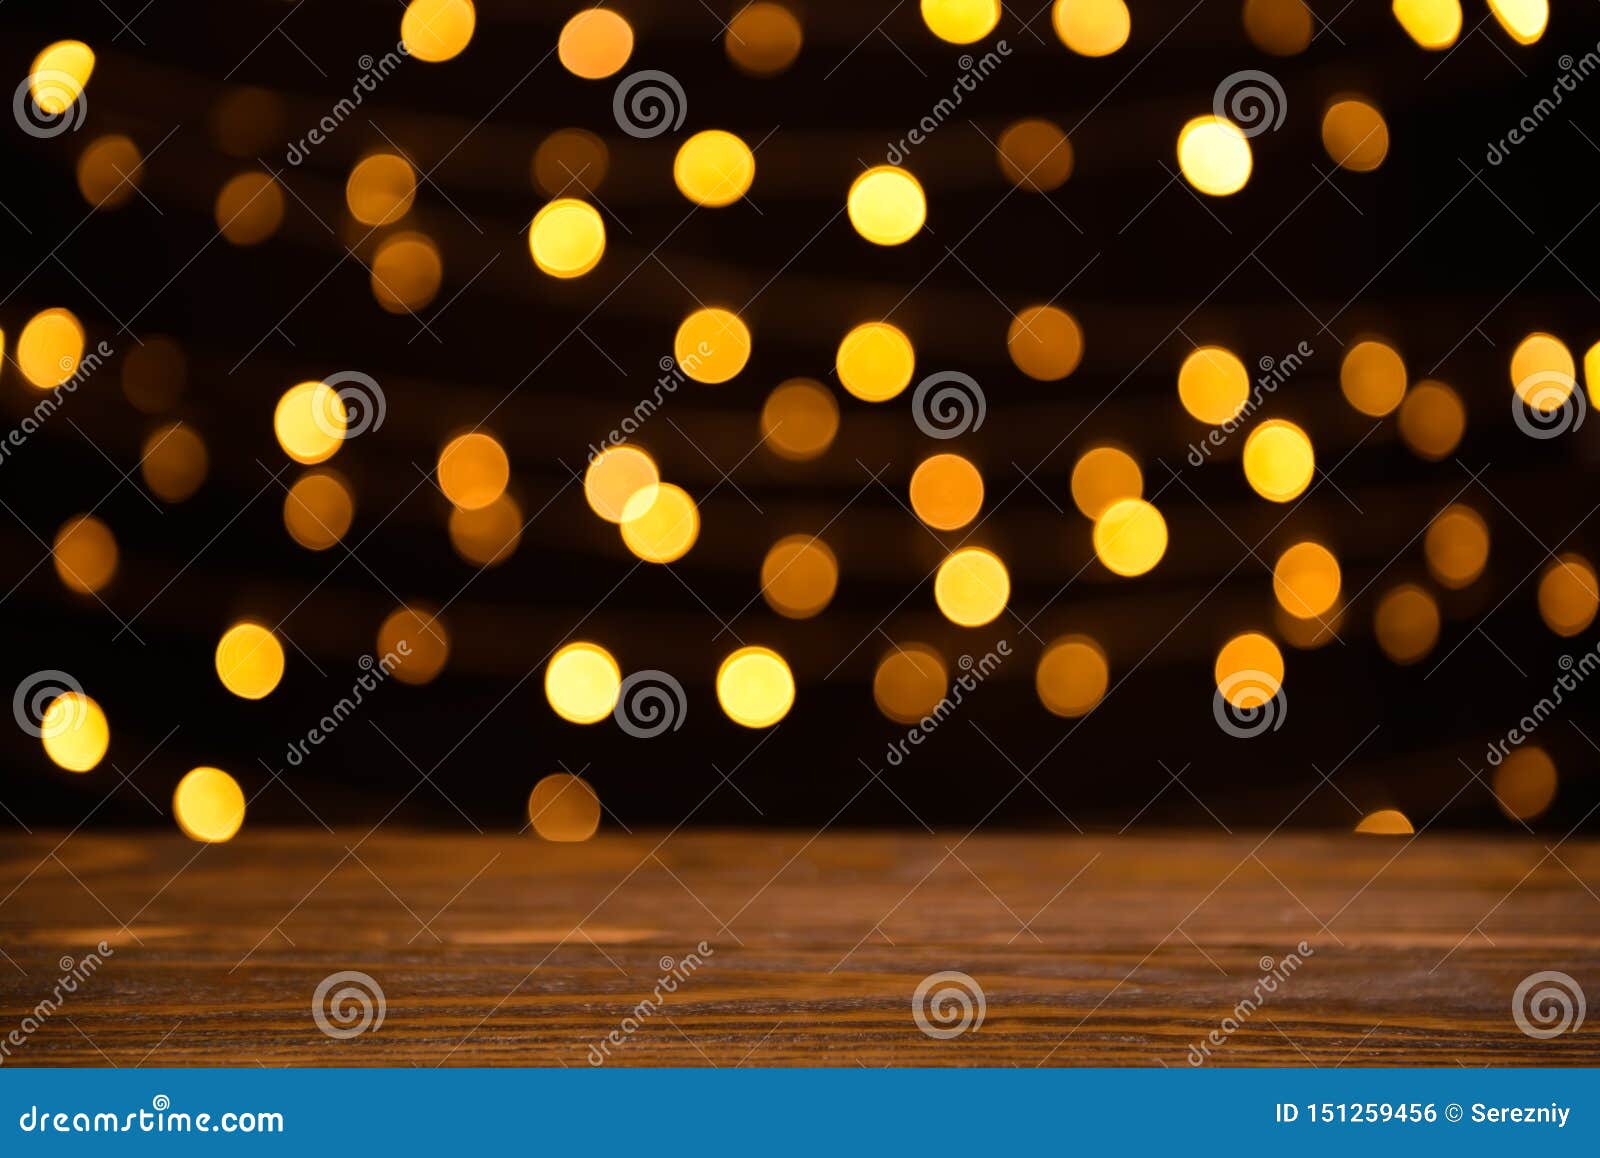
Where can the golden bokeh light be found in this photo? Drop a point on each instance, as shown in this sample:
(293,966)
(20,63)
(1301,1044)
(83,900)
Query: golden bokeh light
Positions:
(1045,342)
(799,576)
(1373,377)
(154,375)
(85,554)
(74,731)
(755,687)
(50,347)
(1281,27)
(437,30)
(615,476)
(763,38)
(1306,580)
(59,75)
(1523,20)
(1249,671)
(249,660)
(971,587)
(380,189)
(886,205)
(489,535)
(1591,373)
(310,421)
(570,159)
(712,345)
(1278,460)
(108,171)
(1569,594)
(946,491)
(1434,24)
(581,682)
(1432,420)
(595,43)
(473,470)
(1130,537)
(1542,372)
(318,510)
(909,682)
(1102,476)
(563,808)
(1072,675)
(173,461)
(427,644)
(1457,546)
(961,21)
(875,361)
(249,208)
(1355,135)
(660,526)
(406,271)
(1406,623)
(1091,27)
(1213,384)
(567,238)
(208,805)
(800,419)
(1525,784)
(1214,155)
(1035,155)
(1385,822)
(714,168)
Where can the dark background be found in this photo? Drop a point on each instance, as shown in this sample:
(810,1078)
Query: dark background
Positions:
(1418,251)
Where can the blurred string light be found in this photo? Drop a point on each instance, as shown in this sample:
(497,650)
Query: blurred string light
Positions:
(799,420)
(406,272)
(1072,675)
(875,361)
(249,208)
(154,375)
(1092,27)
(1456,545)
(1432,420)
(1355,134)
(1525,784)
(419,628)
(473,470)
(909,682)
(616,476)
(1569,594)
(380,189)
(1045,342)
(946,491)
(1249,670)
(1385,822)
(595,43)
(249,660)
(1523,20)
(75,732)
(712,345)
(581,681)
(1543,373)
(437,30)
(714,168)
(318,509)
(1214,155)
(50,347)
(563,808)
(961,21)
(85,554)
(660,525)
(755,687)
(799,576)
(108,171)
(1278,460)
(1406,623)
(1130,537)
(1434,24)
(763,39)
(1213,384)
(59,75)
(567,238)
(1104,475)
(309,421)
(208,805)
(1306,580)
(173,461)
(971,587)
(1281,27)
(1372,377)
(1035,155)
(886,205)
(489,535)
(1591,372)
(570,160)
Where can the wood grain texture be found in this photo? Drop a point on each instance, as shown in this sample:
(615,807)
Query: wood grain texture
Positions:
(503,950)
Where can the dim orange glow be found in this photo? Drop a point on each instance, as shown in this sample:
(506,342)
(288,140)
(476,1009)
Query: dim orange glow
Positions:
(1432,420)
(173,461)
(1525,784)
(406,272)
(85,554)
(568,160)
(563,808)
(1569,594)
(1457,546)
(1385,822)
(108,171)
(318,510)
(1281,27)
(487,536)
(1406,623)
(1072,675)
(249,208)
(909,682)
(1101,477)
(1045,342)
(380,189)
(763,38)
(1249,670)
(1306,580)
(799,576)
(1035,155)
(426,643)
(1355,135)
(1373,377)
(799,420)
(473,470)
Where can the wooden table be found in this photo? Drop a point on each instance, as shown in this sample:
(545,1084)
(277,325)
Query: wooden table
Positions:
(504,950)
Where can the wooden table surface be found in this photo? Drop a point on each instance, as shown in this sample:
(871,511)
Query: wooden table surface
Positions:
(504,950)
